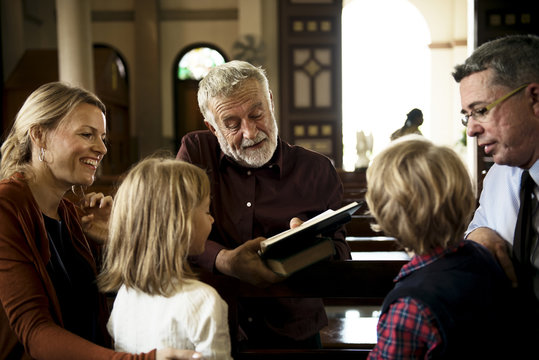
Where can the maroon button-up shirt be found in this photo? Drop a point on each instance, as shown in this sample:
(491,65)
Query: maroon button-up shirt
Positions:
(252,202)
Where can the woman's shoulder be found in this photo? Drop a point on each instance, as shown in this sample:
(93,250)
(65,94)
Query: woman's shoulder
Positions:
(15,190)
(15,182)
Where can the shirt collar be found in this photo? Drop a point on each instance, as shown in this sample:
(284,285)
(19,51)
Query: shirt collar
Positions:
(534,172)
(420,261)
(276,161)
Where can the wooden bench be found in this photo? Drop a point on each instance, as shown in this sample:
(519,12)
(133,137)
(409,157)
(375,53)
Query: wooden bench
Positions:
(372,243)
(353,282)
(361,238)
(354,185)
(303,354)
(360,225)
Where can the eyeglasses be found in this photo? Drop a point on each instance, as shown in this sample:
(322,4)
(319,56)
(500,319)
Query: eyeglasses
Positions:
(479,114)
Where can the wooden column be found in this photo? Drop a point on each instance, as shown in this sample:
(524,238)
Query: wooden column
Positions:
(147,75)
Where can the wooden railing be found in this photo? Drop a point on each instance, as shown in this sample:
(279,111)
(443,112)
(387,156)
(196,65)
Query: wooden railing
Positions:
(352,282)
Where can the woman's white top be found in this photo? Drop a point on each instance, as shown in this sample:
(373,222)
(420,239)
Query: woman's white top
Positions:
(196,318)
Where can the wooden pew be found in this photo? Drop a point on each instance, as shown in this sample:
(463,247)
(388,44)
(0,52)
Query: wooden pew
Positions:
(360,236)
(360,225)
(372,243)
(354,185)
(304,354)
(354,282)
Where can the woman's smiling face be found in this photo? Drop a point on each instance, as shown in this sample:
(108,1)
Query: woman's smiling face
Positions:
(77,146)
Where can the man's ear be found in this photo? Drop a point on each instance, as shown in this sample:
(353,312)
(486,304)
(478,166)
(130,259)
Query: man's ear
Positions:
(210,127)
(271,101)
(534,95)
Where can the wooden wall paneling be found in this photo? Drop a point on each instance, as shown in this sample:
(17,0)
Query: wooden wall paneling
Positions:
(111,85)
(311,71)
(35,68)
(187,116)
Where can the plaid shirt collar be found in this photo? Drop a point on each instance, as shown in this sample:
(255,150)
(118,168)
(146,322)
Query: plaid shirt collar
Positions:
(420,261)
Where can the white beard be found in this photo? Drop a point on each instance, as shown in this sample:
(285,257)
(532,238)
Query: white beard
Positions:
(247,157)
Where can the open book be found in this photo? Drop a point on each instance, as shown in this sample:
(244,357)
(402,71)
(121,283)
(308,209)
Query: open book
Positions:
(293,249)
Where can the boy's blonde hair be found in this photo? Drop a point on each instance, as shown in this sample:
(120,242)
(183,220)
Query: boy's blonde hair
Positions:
(420,193)
(151,226)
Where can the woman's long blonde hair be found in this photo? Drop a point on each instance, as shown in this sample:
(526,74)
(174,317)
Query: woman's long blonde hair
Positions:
(151,226)
(46,107)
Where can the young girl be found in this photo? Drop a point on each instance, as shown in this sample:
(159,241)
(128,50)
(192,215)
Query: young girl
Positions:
(160,215)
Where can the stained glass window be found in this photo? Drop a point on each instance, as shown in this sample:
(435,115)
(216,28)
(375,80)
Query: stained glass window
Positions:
(196,63)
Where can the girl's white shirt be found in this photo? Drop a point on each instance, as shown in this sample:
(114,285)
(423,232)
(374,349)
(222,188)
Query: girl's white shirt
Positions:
(195,318)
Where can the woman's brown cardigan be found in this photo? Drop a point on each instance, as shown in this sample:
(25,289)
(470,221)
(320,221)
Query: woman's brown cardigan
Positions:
(30,317)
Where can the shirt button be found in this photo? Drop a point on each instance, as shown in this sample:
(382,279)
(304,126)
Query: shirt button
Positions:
(248,172)
(249,204)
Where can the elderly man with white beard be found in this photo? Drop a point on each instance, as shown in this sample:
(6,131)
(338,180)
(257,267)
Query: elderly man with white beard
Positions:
(261,186)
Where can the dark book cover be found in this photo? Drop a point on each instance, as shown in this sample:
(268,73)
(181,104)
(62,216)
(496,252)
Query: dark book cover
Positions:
(301,246)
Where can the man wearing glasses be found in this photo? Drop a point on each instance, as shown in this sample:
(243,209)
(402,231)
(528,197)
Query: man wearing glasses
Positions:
(499,89)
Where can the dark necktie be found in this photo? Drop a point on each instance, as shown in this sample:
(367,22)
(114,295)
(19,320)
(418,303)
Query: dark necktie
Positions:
(524,228)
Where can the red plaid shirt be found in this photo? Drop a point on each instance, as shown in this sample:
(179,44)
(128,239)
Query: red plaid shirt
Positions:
(408,330)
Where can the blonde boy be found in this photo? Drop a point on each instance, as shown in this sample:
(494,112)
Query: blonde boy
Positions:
(448,300)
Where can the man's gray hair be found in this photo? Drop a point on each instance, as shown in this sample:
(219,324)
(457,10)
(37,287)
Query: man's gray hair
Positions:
(514,60)
(224,80)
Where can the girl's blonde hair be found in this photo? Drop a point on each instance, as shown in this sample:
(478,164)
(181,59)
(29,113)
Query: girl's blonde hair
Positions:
(151,226)
(45,108)
(420,193)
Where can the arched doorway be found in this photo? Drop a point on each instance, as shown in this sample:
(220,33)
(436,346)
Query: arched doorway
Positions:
(386,71)
(191,65)
(112,87)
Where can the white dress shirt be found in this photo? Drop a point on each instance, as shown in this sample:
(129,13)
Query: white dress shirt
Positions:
(196,318)
(499,205)
(499,202)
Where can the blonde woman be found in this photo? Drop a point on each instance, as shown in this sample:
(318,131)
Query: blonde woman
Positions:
(50,305)
(160,216)
(448,300)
